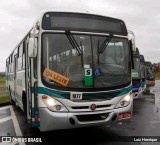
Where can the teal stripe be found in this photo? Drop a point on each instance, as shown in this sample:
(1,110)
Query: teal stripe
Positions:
(143,84)
(19,82)
(35,124)
(125,91)
(48,92)
(9,77)
(58,94)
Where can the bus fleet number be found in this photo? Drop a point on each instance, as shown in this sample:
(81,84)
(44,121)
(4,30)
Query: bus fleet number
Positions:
(76,96)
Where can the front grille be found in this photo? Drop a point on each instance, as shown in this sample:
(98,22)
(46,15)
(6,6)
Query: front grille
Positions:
(86,107)
(92,117)
(80,107)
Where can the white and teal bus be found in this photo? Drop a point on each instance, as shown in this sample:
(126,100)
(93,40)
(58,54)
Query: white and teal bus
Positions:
(136,71)
(143,72)
(72,70)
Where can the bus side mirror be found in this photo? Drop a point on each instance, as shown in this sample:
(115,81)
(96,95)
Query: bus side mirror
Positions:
(32,47)
(131,52)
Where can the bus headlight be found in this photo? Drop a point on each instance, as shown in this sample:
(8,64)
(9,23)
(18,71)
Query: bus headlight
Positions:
(124,101)
(53,105)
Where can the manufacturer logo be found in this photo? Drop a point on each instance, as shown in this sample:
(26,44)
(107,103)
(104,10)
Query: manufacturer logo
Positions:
(93,107)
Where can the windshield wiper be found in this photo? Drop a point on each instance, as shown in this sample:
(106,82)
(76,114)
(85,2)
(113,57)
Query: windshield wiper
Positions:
(75,45)
(74,42)
(105,44)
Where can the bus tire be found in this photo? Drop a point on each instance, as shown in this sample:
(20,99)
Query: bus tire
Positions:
(10,97)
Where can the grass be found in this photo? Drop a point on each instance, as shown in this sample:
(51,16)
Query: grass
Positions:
(3,97)
(2,80)
(2,87)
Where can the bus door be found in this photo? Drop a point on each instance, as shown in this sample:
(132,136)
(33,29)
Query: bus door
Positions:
(7,73)
(28,84)
(32,105)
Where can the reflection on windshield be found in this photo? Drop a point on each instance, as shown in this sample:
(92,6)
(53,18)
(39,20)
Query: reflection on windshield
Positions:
(109,68)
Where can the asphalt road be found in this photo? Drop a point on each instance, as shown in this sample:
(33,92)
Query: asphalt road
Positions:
(145,122)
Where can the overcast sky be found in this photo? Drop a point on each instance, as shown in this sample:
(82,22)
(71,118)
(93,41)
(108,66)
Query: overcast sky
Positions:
(140,16)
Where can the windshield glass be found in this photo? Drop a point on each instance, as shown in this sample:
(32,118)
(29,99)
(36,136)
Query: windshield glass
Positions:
(61,61)
(136,72)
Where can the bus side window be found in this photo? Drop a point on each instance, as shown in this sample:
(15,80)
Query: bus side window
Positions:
(23,55)
(7,66)
(20,53)
(11,65)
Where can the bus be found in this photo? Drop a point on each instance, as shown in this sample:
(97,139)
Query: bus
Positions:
(136,71)
(71,70)
(143,72)
(150,77)
(136,75)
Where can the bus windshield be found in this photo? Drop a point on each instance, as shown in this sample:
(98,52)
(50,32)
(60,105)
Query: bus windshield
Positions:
(136,72)
(110,68)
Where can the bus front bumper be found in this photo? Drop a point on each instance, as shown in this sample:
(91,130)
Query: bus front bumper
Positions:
(54,121)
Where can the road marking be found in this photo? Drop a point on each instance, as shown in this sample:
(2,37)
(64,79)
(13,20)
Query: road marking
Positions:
(5,107)
(16,124)
(5,119)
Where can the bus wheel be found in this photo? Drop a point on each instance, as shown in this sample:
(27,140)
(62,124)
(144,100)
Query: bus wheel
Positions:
(10,96)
